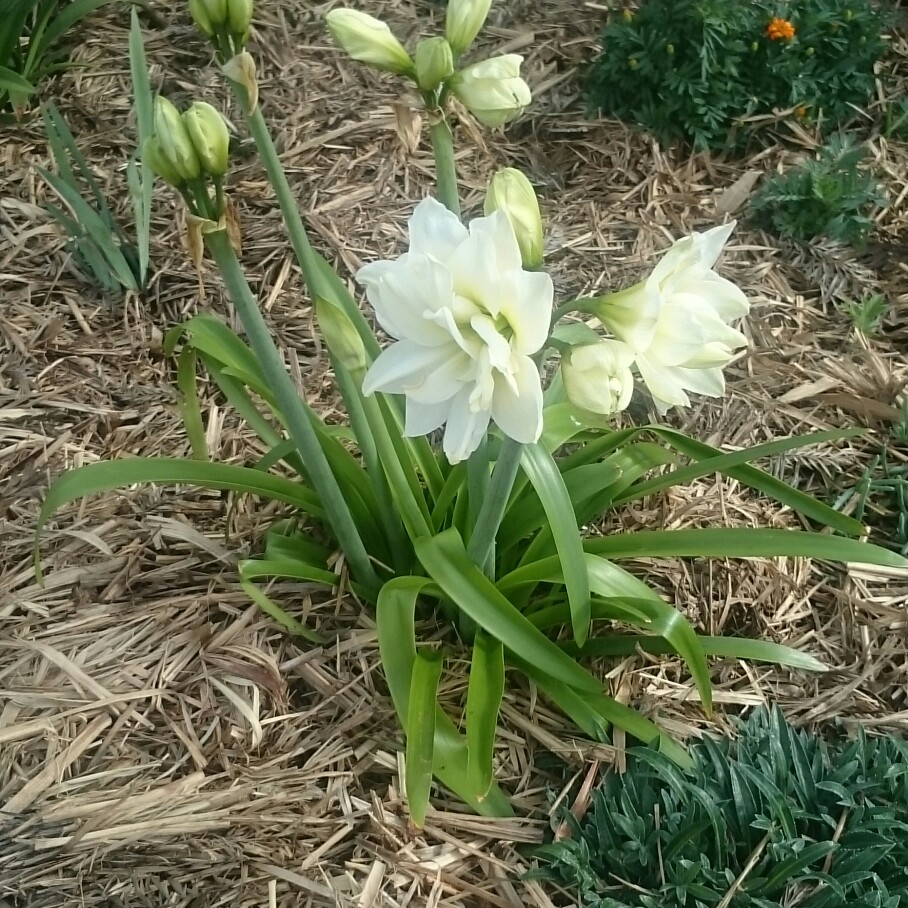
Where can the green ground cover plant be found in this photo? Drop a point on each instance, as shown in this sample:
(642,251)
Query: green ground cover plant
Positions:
(697,70)
(773,816)
(831,196)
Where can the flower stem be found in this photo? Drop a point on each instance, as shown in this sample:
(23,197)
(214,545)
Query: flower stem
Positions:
(445,170)
(481,547)
(311,263)
(293,410)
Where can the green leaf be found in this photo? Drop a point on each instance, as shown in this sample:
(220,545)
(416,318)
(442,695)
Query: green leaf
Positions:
(141,182)
(761,481)
(189,403)
(741,542)
(103,477)
(547,481)
(421,732)
(484,693)
(273,610)
(445,559)
(66,18)
(13,82)
(397,647)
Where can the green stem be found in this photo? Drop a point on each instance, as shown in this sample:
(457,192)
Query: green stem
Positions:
(445,169)
(481,547)
(310,261)
(293,410)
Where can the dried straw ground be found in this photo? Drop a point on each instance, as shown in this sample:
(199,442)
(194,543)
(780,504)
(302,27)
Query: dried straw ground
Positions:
(163,743)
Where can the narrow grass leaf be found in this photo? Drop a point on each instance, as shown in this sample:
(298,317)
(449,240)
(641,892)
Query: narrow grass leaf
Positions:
(278,614)
(189,403)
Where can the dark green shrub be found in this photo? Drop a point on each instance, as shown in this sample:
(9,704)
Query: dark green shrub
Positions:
(817,824)
(829,196)
(692,69)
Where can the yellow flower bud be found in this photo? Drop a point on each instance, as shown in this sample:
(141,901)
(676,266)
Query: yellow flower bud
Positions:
(511,192)
(368,40)
(208,15)
(434,63)
(174,142)
(463,21)
(209,135)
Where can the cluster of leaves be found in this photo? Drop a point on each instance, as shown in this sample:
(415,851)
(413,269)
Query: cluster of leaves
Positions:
(98,245)
(30,46)
(831,196)
(777,816)
(695,69)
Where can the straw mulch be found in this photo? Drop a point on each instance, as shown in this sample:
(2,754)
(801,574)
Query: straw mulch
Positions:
(161,741)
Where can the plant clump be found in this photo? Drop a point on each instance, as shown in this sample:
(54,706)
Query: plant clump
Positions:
(699,70)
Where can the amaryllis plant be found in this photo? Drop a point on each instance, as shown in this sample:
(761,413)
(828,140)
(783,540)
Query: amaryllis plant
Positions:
(486,456)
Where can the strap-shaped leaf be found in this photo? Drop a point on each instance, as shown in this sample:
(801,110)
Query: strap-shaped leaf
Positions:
(446,561)
(545,478)
(421,732)
(484,692)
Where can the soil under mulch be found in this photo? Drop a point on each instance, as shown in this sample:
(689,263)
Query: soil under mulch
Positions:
(162,742)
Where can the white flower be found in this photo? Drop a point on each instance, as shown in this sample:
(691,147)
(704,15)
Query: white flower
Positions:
(678,321)
(467,318)
(493,90)
(368,40)
(463,21)
(511,192)
(597,377)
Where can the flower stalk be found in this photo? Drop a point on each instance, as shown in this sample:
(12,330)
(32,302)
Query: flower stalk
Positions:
(445,168)
(293,409)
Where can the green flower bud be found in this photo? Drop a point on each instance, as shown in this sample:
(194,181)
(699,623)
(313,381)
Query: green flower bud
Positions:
(208,15)
(340,335)
(239,17)
(670,49)
(209,135)
(632,62)
(434,63)
(368,40)
(810,51)
(154,158)
(463,21)
(174,142)
(754,46)
(511,192)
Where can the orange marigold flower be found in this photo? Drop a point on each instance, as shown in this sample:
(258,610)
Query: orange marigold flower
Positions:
(780,30)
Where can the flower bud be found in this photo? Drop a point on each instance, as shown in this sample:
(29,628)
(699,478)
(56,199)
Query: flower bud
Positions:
(434,63)
(368,40)
(208,15)
(597,377)
(239,18)
(210,138)
(340,335)
(493,90)
(174,142)
(463,21)
(510,191)
(154,158)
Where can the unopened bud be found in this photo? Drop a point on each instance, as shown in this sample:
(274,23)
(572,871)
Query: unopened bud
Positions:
(511,192)
(154,158)
(239,18)
(208,15)
(209,135)
(174,142)
(632,63)
(627,15)
(670,49)
(463,21)
(340,335)
(368,40)
(434,63)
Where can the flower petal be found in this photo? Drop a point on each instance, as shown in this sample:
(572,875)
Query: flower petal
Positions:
(517,410)
(709,245)
(421,419)
(405,366)
(435,231)
(465,428)
(529,310)
(665,383)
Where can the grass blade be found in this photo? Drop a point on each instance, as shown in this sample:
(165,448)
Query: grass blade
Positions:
(421,732)
(189,403)
(141,182)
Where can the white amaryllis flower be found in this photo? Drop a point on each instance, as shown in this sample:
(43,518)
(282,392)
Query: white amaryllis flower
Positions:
(597,377)
(492,90)
(678,321)
(467,318)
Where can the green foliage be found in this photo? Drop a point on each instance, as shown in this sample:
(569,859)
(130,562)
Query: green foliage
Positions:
(800,821)
(30,44)
(97,243)
(899,431)
(829,196)
(895,119)
(867,314)
(693,69)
